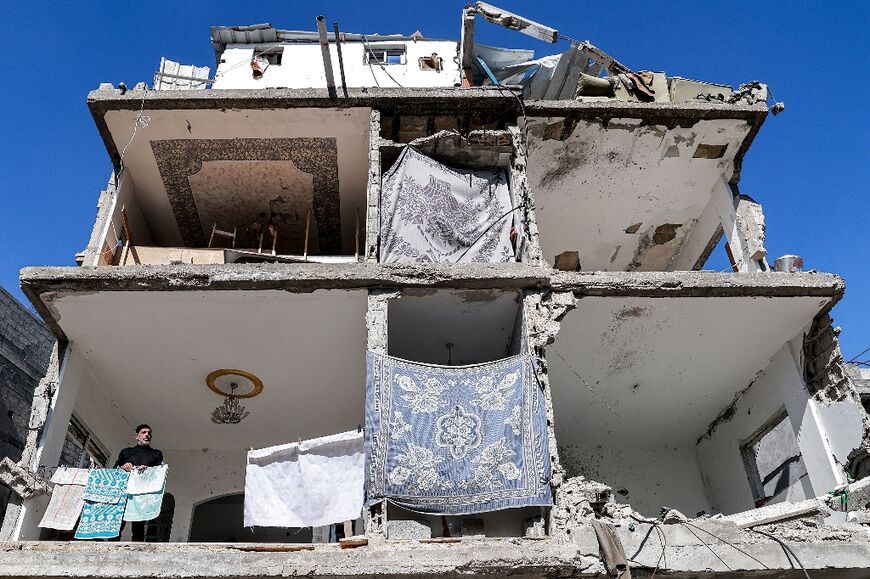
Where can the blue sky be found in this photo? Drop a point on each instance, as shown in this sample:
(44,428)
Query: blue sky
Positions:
(808,166)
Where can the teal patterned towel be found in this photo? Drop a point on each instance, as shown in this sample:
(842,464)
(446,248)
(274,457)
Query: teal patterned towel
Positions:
(106,485)
(101,520)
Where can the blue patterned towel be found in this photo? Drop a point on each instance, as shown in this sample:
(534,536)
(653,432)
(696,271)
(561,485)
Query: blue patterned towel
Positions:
(106,485)
(456,440)
(101,520)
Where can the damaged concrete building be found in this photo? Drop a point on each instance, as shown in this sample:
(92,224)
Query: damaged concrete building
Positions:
(268,227)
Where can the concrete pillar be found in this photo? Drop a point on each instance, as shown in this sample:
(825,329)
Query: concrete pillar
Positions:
(744,246)
(809,429)
(50,442)
(373,191)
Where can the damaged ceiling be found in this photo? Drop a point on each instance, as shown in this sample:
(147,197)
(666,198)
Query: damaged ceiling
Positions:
(663,369)
(626,194)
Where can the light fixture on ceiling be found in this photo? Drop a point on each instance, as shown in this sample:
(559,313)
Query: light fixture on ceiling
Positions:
(232,385)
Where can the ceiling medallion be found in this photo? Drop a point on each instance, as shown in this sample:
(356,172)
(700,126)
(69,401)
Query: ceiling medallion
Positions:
(232,385)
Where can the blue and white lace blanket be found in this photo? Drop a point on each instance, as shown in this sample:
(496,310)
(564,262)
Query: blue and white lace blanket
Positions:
(456,440)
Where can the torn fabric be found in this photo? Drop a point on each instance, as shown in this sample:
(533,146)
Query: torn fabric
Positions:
(308,484)
(434,213)
(64,507)
(456,440)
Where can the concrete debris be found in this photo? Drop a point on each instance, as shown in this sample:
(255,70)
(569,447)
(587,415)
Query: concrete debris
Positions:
(777,512)
(24,482)
(568,261)
(408,530)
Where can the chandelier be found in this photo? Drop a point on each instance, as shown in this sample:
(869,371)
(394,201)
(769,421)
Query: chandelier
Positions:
(232,385)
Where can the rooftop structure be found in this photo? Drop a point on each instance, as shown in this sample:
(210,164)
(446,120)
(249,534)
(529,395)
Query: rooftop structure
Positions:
(327,196)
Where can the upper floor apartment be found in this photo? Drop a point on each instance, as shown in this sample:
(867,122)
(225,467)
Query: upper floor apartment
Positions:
(297,152)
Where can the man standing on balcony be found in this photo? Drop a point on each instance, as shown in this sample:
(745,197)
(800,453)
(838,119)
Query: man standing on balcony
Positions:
(138,458)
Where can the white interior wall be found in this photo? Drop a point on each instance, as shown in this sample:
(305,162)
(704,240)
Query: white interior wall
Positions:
(302,66)
(654,476)
(719,454)
(125,196)
(197,475)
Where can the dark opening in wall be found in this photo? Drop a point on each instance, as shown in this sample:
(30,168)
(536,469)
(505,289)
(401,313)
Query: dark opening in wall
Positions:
(454,327)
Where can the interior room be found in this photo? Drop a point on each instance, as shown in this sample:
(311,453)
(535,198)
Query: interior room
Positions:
(630,194)
(297,360)
(251,185)
(663,399)
(462,327)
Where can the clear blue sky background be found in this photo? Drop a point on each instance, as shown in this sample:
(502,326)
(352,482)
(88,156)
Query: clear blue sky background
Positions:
(808,166)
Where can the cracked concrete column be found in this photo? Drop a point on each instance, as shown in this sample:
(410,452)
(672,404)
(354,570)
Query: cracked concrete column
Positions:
(521,193)
(743,222)
(376,323)
(53,406)
(542,312)
(373,190)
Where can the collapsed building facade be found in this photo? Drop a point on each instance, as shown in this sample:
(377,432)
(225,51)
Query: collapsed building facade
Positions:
(248,228)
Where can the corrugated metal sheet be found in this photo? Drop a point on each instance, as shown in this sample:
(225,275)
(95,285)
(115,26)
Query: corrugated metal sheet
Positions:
(221,36)
(176,76)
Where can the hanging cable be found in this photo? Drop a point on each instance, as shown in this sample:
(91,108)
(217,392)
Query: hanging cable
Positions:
(381,64)
(697,536)
(785,548)
(142,120)
(732,545)
(491,225)
(594,393)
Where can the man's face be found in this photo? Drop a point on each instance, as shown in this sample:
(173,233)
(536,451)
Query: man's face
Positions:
(144,436)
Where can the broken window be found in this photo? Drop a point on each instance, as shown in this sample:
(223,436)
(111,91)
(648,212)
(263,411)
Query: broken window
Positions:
(271,55)
(81,449)
(774,464)
(385,55)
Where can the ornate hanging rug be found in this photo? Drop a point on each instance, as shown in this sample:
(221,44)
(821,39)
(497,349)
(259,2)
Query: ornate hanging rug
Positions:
(456,440)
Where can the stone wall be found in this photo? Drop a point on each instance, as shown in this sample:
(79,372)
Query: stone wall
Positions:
(25,348)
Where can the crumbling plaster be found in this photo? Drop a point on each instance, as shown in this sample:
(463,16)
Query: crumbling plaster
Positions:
(625,193)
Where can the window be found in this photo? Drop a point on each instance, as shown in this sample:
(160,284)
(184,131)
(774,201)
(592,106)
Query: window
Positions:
(272,55)
(81,449)
(774,463)
(385,55)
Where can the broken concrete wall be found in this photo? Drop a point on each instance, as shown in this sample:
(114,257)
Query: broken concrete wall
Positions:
(373,190)
(779,387)
(120,193)
(833,386)
(646,477)
(25,349)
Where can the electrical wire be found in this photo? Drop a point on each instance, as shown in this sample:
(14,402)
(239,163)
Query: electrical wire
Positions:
(785,548)
(732,545)
(381,64)
(491,225)
(697,536)
(142,120)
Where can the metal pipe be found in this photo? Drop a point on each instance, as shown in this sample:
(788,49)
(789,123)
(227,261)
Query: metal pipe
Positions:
(327,59)
(340,59)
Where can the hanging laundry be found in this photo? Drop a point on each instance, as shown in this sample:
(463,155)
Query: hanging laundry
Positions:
(101,520)
(64,507)
(106,485)
(71,476)
(434,213)
(308,484)
(145,493)
(150,480)
(456,440)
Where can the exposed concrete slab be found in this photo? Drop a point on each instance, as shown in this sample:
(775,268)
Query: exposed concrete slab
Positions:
(514,557)
(56,281)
